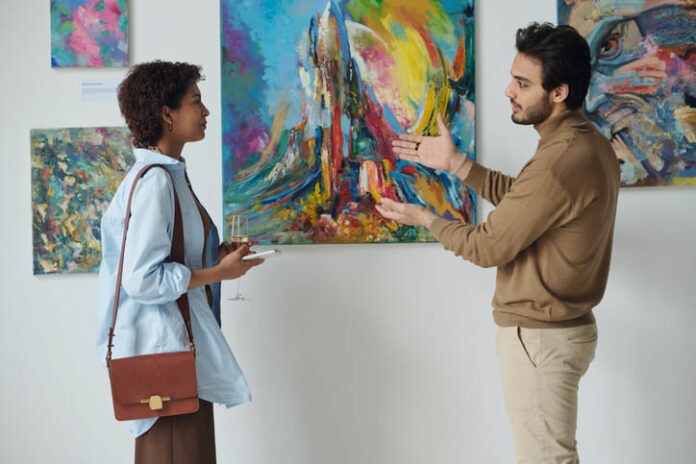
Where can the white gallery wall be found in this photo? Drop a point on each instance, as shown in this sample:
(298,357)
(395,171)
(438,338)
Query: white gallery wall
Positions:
(354,353)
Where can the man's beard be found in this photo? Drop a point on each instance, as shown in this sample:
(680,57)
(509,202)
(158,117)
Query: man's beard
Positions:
(535,113)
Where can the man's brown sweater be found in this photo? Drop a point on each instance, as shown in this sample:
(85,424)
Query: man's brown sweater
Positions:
(550,234)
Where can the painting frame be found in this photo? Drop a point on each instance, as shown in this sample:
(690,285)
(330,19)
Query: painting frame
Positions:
(74,174)
(306,171)
(641,94)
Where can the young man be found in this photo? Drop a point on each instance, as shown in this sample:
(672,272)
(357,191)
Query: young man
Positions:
(550,236)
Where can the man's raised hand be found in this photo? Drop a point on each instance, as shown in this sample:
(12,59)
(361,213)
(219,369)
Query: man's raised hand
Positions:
(437,152)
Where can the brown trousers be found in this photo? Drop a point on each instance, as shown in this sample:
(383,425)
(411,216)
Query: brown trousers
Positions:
(183,439)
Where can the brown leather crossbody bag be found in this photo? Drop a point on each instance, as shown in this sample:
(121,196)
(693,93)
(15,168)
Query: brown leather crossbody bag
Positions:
(161,384)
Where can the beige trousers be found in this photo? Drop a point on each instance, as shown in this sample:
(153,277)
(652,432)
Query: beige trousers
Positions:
(541,370)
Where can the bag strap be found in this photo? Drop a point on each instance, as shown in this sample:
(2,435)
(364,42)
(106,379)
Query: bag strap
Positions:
(177,255)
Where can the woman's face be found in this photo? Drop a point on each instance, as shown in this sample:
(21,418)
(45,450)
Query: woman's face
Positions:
(189,119)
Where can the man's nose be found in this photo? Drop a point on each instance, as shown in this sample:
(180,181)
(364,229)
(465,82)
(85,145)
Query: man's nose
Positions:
(508,91)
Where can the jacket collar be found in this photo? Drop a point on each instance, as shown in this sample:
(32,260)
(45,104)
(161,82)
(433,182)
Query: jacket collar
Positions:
(145,156)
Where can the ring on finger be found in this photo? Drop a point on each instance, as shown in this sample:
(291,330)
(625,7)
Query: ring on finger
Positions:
(417,144)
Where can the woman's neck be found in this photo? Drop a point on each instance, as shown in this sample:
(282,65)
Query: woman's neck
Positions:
(168,147)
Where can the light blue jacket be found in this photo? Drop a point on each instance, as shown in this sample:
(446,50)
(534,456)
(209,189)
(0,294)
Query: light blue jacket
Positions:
(148,319)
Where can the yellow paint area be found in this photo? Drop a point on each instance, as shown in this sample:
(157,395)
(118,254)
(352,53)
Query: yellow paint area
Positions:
(435,197)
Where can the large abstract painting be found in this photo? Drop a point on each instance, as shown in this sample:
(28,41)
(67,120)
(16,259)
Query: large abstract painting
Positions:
(314,91)
(89,33)
(643,89)
(74,174)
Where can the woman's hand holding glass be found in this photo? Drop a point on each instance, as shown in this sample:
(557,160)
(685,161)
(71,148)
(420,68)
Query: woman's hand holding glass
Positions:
(231,264)
(240,241)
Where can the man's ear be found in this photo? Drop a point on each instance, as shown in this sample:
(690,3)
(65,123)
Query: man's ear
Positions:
(560,93)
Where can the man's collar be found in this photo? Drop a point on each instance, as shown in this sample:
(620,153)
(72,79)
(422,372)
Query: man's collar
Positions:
(552,124)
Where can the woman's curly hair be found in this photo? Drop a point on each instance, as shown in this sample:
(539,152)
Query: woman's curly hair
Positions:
(146,89)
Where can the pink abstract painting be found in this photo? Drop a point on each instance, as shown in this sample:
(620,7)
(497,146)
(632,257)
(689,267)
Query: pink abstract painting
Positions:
(89,33)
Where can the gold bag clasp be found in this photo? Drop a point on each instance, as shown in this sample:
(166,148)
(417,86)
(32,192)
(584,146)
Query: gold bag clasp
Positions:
(155,401)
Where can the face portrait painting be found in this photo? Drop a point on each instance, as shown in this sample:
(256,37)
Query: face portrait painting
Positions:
(642,95)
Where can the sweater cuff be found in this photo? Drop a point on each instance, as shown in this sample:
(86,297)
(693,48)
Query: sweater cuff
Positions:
(437,226)
(476,177)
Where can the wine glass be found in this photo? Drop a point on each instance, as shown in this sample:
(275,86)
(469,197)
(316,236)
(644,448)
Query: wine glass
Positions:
(239,228)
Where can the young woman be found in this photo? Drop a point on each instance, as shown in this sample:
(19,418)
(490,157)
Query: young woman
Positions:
(161,103)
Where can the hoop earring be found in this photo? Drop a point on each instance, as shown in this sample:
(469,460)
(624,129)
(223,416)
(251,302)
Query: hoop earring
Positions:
(171,127)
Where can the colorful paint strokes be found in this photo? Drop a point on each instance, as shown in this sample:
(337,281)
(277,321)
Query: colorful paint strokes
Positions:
(643,90)
(74,175)
(89,33)
(313,93)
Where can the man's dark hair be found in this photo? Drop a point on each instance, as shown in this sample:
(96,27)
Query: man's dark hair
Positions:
(147,88)
(564,56)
